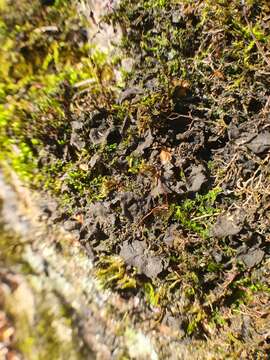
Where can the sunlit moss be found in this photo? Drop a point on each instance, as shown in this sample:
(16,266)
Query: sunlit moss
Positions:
(196,214)
(111,272)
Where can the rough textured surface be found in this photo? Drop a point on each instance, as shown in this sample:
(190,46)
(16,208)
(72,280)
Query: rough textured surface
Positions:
(160,169)
(55,262)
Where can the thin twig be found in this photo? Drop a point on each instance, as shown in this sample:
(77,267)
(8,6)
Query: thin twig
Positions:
(155,209)
(85,83)
(203,216)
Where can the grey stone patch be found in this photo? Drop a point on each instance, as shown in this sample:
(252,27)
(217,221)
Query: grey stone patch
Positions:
(245,328)
(151,83)
(170,235)
(71,225)
(127,64)
(48,206)
(160,189)
(174,322)
(226,225)
(139,346)
(76,125)
(260,143)
(196,179)
(252,258)
(135,255)
(76,138)
(102,136)
(94,160)
(76,141)
(131,205)
(233,132)
(96,235)
(168,171)
(99,213)
(179,187)
(146,144)
(129,94)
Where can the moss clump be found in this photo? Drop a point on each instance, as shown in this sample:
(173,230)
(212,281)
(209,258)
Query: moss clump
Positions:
(197,214)
(43,54)
(111,272)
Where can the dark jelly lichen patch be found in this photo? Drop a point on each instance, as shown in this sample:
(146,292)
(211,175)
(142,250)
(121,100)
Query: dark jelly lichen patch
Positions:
(164,175)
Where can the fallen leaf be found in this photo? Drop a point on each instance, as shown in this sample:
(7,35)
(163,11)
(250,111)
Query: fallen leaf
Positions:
(165,156)
(83,167)
(79,218)
(218,74)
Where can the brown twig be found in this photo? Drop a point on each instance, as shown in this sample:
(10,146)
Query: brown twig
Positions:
(155,209)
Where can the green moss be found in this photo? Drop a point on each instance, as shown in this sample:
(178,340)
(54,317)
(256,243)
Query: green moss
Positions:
(151,296)
(197,316)
(111,272)
(155,3)
(196,214)
(135,164)
(32,73)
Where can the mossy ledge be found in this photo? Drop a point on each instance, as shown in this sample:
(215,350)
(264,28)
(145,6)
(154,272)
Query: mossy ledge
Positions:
(161,171)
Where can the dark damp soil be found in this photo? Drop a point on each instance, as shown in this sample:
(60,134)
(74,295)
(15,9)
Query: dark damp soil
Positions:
(164,177)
